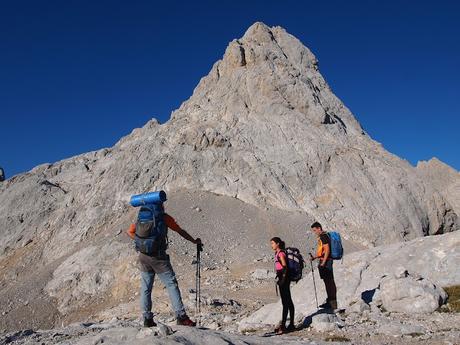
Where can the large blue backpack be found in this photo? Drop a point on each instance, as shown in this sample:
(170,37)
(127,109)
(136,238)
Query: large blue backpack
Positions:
(336,245)
(151,230)
(295,264)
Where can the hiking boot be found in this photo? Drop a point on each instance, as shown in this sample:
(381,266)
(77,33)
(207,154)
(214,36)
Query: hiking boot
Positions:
(290,328)
(149,322)
(325,305)
(277,328)
(281,330)
(185,321)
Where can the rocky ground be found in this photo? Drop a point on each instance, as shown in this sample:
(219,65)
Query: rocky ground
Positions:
(231,296)
(372,327)
(76,289)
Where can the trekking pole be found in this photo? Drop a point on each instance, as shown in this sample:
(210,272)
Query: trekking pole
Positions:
(199,249)
(314,283)
(196,286)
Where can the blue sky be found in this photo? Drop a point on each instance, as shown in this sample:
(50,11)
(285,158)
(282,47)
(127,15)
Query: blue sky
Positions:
(76,76)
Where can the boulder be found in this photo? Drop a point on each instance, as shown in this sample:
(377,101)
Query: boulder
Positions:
(325,322)
(411,295)
(358,307)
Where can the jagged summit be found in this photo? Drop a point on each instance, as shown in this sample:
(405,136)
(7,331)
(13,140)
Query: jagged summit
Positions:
(268,73)
(287,45)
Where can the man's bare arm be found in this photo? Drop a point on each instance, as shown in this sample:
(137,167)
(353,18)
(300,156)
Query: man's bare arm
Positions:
(186,235)
(171,223)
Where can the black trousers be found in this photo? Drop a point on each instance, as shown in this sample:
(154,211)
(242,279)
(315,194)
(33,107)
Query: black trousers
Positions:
(326,273)
(286,300)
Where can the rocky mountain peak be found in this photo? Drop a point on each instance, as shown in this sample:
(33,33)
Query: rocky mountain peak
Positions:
(280,43)
(268,74)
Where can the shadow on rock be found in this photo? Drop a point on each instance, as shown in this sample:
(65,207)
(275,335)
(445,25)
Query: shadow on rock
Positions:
(309,319)
(368,295)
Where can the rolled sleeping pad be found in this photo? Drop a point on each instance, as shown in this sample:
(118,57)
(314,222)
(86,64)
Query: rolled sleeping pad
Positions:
(148,198)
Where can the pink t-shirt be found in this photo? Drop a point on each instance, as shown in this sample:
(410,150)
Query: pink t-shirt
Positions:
(278,265)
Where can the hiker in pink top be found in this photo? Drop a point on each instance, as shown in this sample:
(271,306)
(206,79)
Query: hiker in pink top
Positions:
(284,284)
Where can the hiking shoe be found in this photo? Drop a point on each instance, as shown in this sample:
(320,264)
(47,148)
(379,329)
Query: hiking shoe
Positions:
(278,327)
(281,330)
(149,323)
(325,305)
(185,321)
(290,328)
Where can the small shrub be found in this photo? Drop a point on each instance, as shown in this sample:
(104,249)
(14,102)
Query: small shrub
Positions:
(453,293)
(337,338)
(415,334)
(251,331)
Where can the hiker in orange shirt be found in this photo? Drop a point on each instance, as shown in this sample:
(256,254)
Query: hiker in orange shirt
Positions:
(325,269)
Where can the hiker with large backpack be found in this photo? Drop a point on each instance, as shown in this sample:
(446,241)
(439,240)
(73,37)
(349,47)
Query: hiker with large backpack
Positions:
(284,284)
(150,235)
(329,249)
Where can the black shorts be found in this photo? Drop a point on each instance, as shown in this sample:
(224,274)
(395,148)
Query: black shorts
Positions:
(326,271)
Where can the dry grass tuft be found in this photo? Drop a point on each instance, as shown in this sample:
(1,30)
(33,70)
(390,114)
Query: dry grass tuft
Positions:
(454,298)
(337,338)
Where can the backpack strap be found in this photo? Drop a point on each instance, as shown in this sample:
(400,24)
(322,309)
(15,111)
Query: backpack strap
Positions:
(278,254)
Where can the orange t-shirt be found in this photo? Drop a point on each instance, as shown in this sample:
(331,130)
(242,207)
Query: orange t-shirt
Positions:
(322,240)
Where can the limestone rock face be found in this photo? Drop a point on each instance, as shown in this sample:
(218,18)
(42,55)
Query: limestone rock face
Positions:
(444,179)
(379,276)
(89,272)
